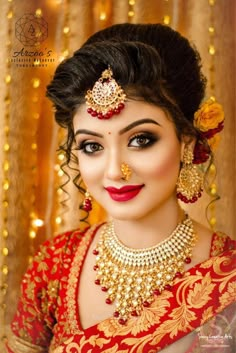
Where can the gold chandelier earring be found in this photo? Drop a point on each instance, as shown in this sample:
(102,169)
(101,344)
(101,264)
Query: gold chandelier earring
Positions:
(190,180)
(126,171)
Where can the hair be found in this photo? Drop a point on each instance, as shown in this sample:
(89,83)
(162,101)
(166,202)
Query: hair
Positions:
(151,62)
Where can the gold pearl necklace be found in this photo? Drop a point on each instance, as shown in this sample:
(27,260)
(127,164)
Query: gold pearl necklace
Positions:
(132,277)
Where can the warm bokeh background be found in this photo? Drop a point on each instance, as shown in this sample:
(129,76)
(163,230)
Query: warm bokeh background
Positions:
(30,209)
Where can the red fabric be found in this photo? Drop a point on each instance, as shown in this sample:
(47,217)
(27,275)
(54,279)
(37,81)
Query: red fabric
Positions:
(48,313)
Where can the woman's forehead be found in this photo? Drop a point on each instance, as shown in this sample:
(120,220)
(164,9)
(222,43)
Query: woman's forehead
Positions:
(132,112)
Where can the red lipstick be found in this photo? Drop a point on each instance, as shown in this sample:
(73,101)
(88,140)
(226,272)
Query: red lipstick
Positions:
(125,193)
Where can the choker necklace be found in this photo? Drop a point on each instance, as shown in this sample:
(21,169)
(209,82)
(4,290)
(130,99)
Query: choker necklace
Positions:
(132,277)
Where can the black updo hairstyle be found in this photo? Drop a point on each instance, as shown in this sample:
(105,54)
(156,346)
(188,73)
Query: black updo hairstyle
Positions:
(151,62)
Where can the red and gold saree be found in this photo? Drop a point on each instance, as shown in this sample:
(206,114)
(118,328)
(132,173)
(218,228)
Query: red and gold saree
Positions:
(197,315)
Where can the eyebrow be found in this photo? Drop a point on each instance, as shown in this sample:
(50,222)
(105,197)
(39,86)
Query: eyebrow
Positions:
(122,131)
(87,132)
(136,123)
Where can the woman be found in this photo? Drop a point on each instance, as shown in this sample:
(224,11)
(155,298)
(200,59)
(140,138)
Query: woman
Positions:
(150,279)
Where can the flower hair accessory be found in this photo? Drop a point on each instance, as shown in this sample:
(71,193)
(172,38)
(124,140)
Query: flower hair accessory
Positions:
(106,97)
(209,120)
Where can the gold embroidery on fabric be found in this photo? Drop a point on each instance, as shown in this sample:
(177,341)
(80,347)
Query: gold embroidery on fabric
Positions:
(229,296)
(207,314)
(200,294)
(218,243)
(149,317)
(194,291)
(71,299)
(19,345)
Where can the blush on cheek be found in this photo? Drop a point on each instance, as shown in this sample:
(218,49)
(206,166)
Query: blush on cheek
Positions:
(168,167)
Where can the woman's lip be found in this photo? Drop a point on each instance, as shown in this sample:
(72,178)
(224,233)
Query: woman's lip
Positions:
(125,193)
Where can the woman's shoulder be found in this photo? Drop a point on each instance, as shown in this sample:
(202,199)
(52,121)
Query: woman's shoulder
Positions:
(221,242)
(210,243)
(66,242)
(58,249)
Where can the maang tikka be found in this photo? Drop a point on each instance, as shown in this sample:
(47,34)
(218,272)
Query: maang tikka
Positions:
(106,97)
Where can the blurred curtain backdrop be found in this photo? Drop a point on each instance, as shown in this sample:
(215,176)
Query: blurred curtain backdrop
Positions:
(30,207)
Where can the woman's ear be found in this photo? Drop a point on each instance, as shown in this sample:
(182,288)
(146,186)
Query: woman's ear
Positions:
(187,141)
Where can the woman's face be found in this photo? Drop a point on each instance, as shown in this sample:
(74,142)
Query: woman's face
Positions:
(141,136)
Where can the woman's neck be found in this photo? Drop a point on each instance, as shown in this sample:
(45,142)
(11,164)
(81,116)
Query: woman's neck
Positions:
(150,230)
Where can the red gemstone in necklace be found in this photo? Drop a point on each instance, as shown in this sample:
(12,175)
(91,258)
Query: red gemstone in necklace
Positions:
(156,292)
(168,287)
(116,314)
(122,321)
(178,275)
(146,304)
(134,313)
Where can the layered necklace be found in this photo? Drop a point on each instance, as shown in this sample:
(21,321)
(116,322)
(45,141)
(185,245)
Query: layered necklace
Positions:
(132,277)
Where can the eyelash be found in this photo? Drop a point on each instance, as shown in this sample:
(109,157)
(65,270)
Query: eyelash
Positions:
(82,147)
(145,136)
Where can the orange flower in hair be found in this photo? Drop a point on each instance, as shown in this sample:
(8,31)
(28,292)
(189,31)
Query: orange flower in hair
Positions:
(210,116)
(209,120)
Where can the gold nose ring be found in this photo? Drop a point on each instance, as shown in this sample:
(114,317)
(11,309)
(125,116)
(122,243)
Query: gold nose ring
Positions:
(126,171)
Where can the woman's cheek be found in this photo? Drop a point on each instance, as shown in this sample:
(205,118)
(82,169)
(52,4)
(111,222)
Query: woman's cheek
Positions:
(162,164)
(90,168)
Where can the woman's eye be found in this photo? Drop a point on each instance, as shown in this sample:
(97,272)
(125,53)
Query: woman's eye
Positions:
(142,141)
(90,147)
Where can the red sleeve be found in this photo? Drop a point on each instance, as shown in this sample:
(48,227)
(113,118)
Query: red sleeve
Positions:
(37,308)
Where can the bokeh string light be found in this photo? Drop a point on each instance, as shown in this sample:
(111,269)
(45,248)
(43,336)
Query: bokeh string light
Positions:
(212,54)
(131,12)
(35,221)
(166,16)
(6,184)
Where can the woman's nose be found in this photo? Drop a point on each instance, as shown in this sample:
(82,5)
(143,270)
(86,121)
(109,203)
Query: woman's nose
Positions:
(113,167)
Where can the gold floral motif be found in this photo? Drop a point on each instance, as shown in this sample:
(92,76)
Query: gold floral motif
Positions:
(19,345)
(218,243)
(229,296)
(71,300)
(149,317)
(200,294)
(207,314)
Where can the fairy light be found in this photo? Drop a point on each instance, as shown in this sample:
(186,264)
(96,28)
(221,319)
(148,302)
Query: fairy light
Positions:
(65,31)
(212,52)
(131,12)
(6,184)
(212,48)
(35,222)
(38,13)
(166,16)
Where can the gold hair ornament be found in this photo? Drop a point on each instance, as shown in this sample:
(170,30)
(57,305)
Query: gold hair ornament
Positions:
(106,97)
(126,171)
